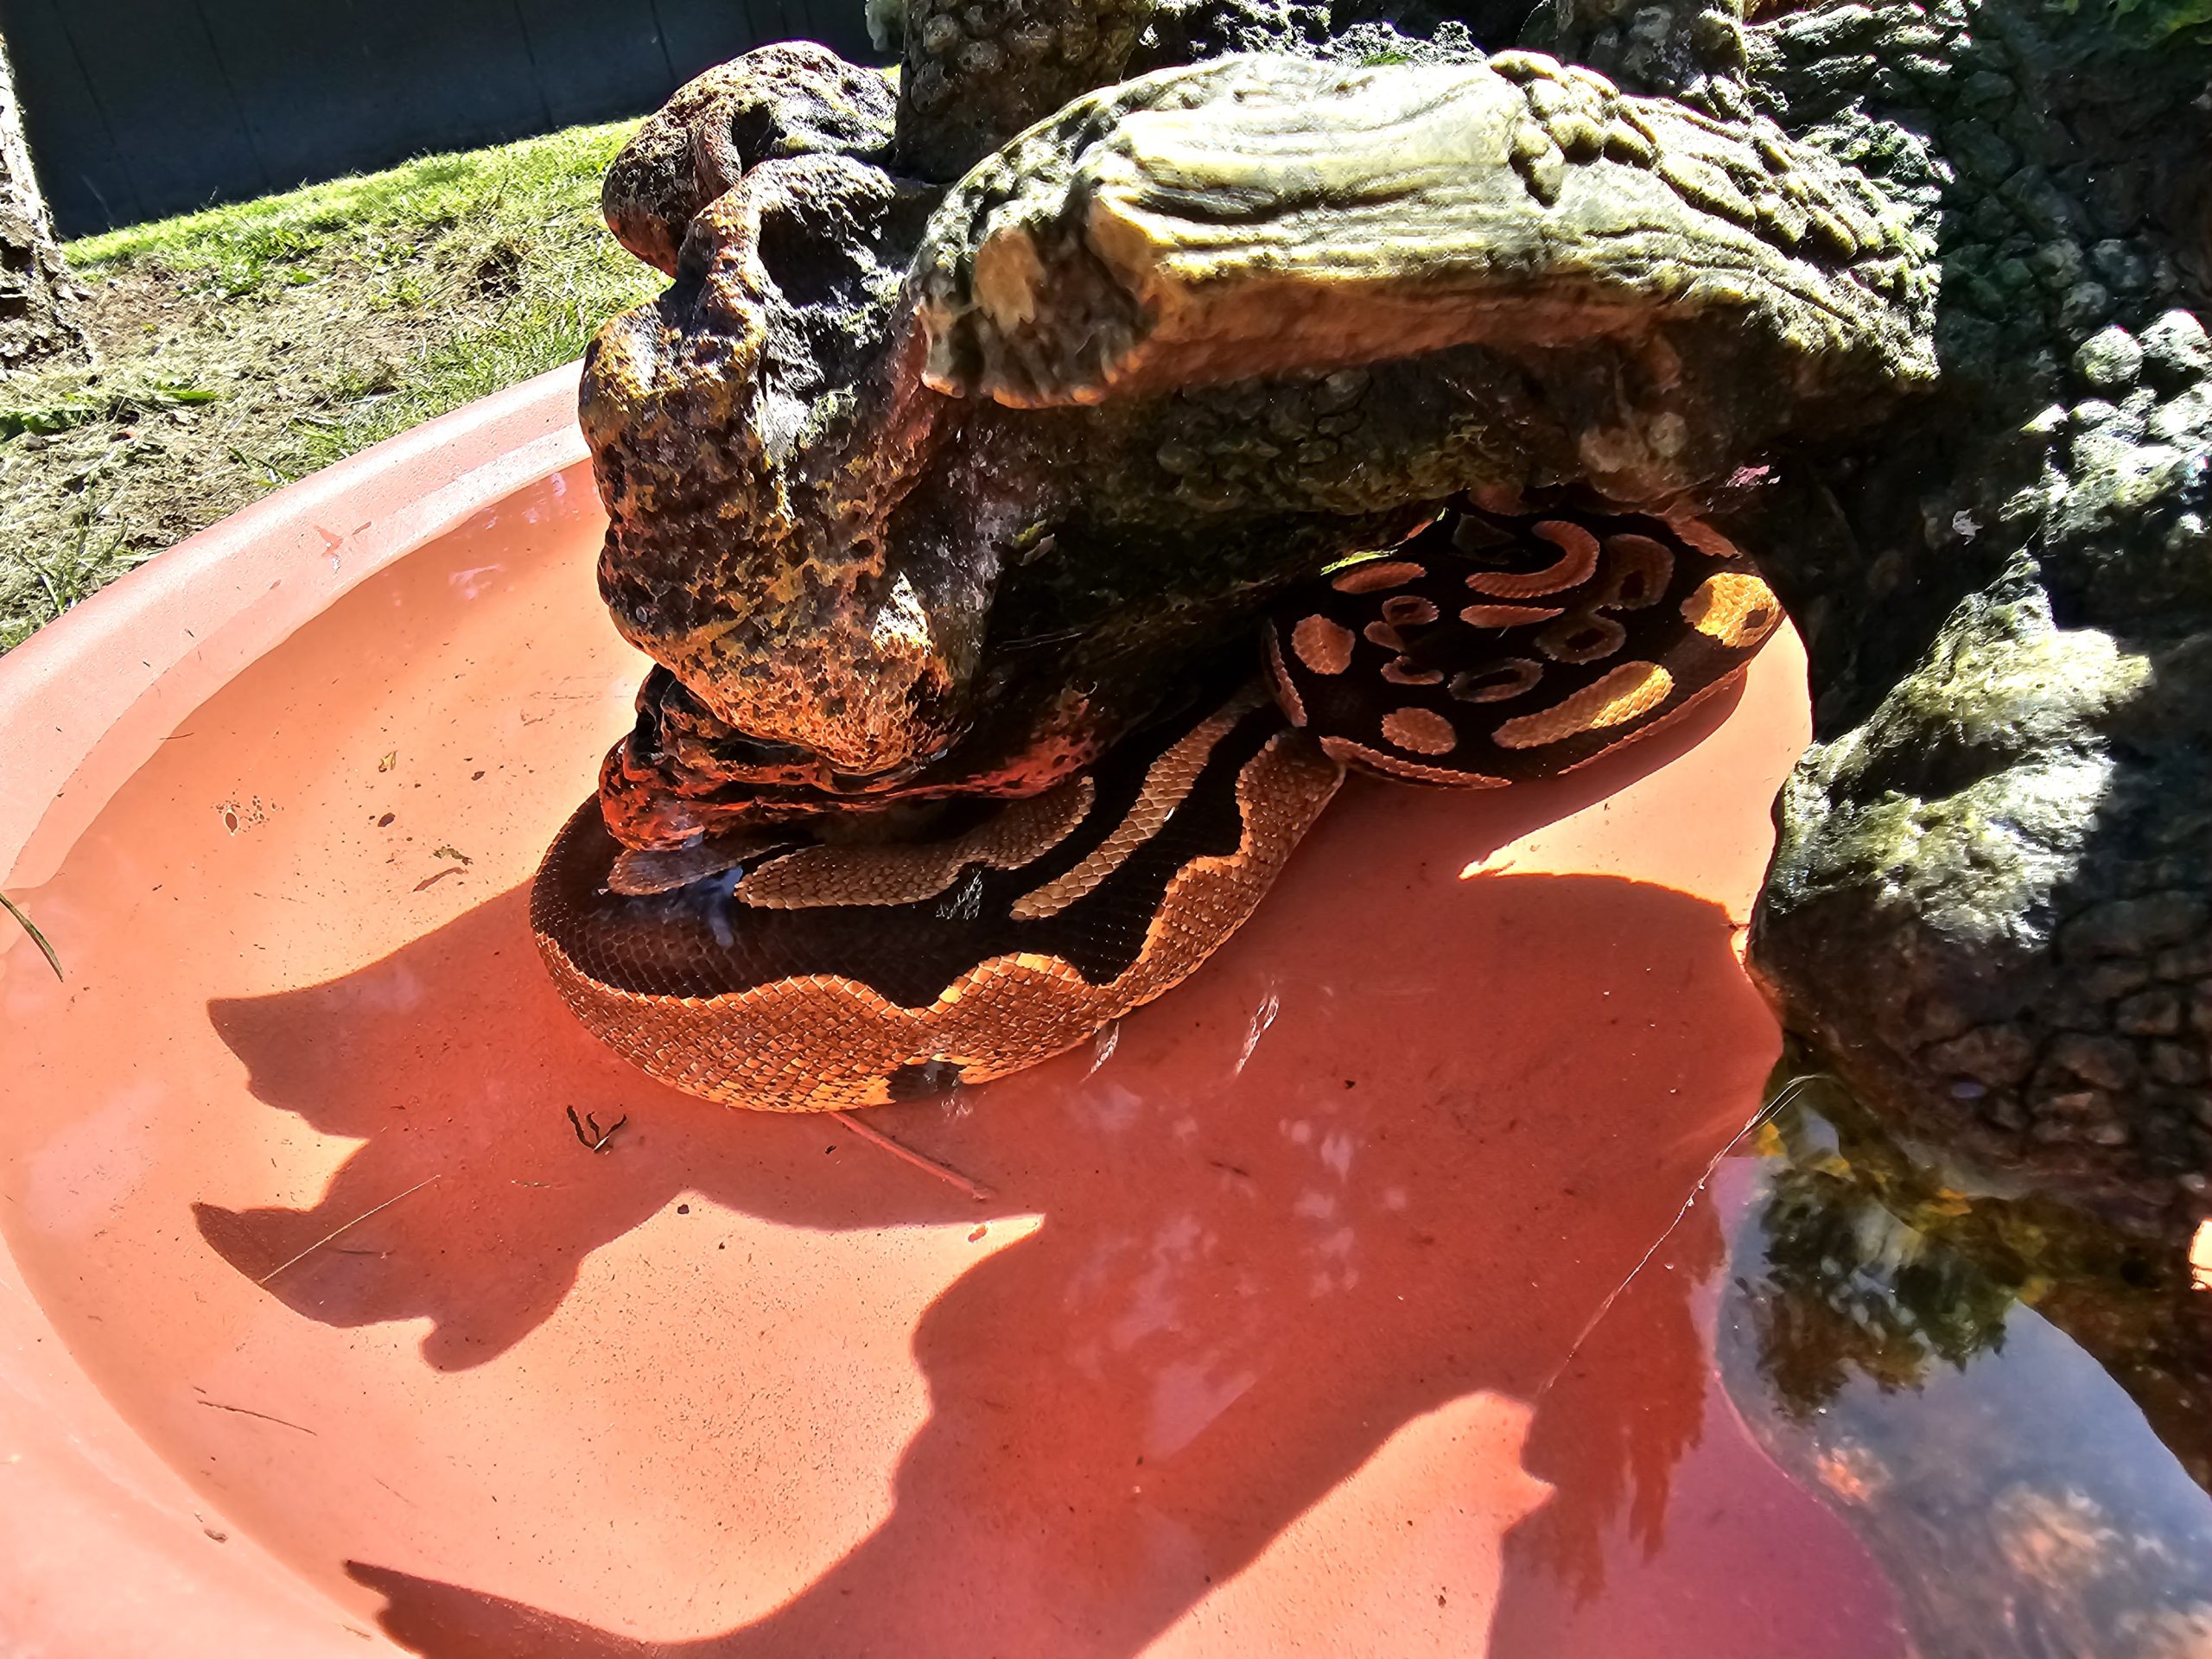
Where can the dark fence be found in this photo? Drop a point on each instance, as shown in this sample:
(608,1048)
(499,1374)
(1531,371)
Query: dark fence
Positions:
(141,108)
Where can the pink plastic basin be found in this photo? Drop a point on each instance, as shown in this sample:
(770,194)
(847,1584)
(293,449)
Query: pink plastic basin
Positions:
(1293,1321)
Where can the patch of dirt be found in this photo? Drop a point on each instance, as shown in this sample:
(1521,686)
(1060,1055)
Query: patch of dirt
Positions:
(202,401)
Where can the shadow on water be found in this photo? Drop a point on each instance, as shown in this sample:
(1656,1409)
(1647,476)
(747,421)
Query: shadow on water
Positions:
(455,1061)
(1198,1314)
(1252,1268)
(1241,1288)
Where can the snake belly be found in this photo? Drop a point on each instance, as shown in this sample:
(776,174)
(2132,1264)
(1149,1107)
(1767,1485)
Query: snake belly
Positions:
(788,974)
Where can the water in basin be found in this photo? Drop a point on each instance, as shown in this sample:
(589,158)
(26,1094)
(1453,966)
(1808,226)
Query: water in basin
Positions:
(1358,1297)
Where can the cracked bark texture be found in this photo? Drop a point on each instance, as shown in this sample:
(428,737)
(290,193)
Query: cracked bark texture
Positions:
(38,305)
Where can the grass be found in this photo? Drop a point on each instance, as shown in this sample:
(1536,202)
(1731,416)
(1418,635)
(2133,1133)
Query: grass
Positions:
(243,346)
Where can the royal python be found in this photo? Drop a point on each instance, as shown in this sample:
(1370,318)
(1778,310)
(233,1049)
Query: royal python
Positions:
(794,970)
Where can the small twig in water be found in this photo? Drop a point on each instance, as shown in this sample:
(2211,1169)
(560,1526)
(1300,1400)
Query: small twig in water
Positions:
(37,938)
(248,1411)
(1102,1047)
(598,1139)
(1052,638)
(348,1227)
(950,1177)
(1765,1114)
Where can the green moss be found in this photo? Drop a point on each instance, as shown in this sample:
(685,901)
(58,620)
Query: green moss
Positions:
(2143,21)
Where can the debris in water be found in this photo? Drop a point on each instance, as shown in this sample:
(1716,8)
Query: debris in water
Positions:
(598,1140)
(1263,1017)
(325,1239)
(930,1165)
(37,938)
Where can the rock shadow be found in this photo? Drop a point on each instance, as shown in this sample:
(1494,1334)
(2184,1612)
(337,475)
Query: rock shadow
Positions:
(1382,1154)
(456,1063)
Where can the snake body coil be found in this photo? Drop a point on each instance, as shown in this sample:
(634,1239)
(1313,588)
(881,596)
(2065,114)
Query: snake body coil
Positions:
(788,972)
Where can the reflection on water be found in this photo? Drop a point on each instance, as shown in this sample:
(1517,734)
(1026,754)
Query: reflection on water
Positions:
(2005,1401)
(1849,1288)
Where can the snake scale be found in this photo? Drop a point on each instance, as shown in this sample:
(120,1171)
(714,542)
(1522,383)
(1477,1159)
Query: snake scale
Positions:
(815,966)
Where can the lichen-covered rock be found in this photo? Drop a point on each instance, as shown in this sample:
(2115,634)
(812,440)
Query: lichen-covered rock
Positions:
(1992,857)
(976,71)
(1260,214)
(2032,992)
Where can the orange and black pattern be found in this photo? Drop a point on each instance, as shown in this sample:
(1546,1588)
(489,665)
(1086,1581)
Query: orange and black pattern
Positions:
(806,968)
(1495,648)
(1006,961)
